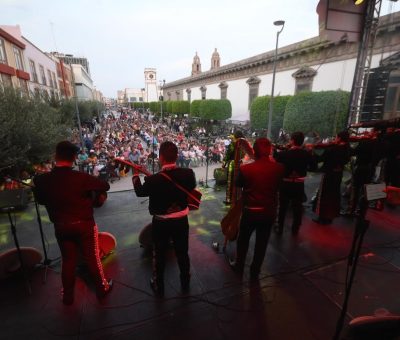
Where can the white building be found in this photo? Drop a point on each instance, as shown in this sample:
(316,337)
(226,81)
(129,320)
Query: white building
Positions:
(314,64)
(83,82)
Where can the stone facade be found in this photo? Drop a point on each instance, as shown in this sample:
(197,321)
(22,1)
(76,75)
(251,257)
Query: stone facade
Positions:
(315,64)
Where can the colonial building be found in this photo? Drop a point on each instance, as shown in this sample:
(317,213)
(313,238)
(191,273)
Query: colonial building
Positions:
(314,65)
(13,71)
(64,76)
(149,93)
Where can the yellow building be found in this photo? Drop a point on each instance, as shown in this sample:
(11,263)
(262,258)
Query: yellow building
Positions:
(12,67)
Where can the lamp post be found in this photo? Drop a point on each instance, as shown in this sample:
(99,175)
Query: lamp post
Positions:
(271,105)
(162,83)
(143,89)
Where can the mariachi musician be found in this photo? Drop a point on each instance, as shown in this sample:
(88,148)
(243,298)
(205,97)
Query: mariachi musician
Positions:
(168,204)
(297,161)
(235,152)
(68,197)
(368,152)
(335,156)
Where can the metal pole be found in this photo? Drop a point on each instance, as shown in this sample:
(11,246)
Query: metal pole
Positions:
(271,105)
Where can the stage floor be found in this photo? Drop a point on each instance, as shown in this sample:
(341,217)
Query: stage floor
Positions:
(297,297)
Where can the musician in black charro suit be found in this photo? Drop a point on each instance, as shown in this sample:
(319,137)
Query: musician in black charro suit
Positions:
(297,161)
(334,159)
(168,205)
(68,197)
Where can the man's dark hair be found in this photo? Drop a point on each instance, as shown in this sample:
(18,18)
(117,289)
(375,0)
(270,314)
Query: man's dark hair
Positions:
(262,147)
(169,151)
(238,134)
(66,151)
(297,138)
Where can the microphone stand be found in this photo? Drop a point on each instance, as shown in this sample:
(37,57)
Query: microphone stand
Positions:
(46,262)
(361,228)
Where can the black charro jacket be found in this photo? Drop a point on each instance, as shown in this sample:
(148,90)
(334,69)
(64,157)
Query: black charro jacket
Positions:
(164,196)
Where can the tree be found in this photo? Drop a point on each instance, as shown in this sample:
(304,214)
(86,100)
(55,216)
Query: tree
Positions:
(324,112)
(29,129)
(259,113)
(214,109)
(195,108)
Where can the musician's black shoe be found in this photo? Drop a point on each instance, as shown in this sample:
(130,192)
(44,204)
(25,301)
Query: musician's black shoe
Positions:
(254,274)
(102,293)
(185,283)
(236,268)
(320,220)
(157,288)
(227,202)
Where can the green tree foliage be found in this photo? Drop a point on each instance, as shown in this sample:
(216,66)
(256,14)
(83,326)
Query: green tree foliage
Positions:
(324,112)
(259,113)
(168,106)
(215,109)
(179,107)
(29,129)
(195,108)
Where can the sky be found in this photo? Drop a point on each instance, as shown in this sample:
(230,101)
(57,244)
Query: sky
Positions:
(120,38)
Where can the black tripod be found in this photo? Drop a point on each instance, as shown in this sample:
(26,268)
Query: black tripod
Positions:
(14,233)
(46,262)
(361,228)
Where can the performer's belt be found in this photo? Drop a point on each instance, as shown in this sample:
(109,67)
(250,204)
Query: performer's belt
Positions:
(294,179)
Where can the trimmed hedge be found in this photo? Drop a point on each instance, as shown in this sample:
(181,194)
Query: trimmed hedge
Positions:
(216,109)
(195,108)
(259,113)
(324,112)
(180,107)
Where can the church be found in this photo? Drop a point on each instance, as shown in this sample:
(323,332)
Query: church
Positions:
(314,64)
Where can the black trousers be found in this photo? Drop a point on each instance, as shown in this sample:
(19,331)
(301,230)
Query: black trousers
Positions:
(291,192)
(262,225)
(163,231)
(76,239)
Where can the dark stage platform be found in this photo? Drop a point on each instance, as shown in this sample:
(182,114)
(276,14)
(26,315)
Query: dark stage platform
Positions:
(298,296)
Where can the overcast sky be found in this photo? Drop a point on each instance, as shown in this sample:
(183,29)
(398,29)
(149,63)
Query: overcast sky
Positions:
(122,37)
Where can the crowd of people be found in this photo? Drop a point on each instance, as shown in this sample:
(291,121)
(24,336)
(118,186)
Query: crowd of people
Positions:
(136,137)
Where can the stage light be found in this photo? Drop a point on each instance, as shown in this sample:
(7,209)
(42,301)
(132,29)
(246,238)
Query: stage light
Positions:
(358,2)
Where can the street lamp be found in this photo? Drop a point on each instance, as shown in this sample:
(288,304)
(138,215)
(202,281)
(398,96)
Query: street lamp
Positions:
(271,105)
(143,89)
(162,83)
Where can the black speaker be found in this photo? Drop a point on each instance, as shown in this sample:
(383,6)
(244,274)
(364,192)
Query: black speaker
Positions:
(14,198)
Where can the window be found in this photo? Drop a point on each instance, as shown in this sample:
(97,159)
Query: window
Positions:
(33,70)
(178,95)
(18,58)
(50,78)
(254,83)
(54,80)
(42,75)
(304,79)
(189,94)
(203,90)
(224,89)
(3,56)
(140,99)
(6,80)
(132,99)
(23,86)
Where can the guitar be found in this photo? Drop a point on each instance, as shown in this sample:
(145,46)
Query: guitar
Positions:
(193,197)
